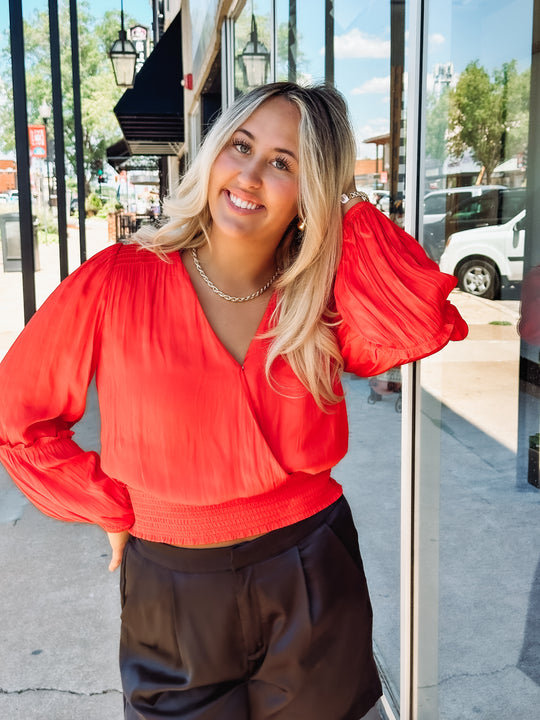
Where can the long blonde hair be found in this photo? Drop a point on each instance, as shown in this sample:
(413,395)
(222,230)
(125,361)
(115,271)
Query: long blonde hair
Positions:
(302,329)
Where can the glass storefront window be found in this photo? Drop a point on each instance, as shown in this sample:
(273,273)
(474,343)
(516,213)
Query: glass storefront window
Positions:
(253,46)
(300,40)
(480,398)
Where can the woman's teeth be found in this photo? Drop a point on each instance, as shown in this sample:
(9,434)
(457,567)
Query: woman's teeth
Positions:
(244,204)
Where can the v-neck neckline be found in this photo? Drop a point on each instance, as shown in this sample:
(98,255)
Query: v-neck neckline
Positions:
(264,320)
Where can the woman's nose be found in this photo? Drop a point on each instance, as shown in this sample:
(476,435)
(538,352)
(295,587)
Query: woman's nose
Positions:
(251,173)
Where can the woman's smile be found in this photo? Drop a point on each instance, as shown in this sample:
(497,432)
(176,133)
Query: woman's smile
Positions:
(242,204)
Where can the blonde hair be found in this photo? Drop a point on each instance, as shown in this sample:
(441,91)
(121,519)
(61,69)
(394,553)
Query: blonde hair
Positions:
(302,328)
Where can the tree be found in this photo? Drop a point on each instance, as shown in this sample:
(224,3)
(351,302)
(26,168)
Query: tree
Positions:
(99,92)
(516,98)
(488,115)
(437,125)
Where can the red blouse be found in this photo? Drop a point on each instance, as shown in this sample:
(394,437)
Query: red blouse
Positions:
(197,448)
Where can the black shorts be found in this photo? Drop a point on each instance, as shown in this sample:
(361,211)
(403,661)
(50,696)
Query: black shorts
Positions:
(274,628)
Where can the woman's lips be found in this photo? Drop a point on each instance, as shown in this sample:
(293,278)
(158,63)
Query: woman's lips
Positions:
(241,204)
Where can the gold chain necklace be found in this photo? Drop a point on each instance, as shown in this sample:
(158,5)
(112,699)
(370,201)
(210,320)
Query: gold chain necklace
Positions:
(230,298)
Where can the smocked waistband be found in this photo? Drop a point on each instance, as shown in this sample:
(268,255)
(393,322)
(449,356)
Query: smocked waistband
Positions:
(234,557)
(300,497)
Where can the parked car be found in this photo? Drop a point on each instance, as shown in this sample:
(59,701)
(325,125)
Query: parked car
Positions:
(467,208)
(381,199)
(13,195)
(438,203)
(486,258)
(4,197)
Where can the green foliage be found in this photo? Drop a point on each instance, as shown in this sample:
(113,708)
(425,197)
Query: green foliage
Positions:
(46,226)
(110,206)
(488,115)
(93,204)
(518,89)
(99,92)
(436,125)
(47,237)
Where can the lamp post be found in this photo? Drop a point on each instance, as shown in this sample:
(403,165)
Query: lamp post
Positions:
(45,112)
(123,56)
(254,59)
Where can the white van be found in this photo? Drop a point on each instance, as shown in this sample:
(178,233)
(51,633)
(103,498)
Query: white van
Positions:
(494,206)
(486,258)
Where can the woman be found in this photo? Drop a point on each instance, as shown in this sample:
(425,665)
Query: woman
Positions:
(218,343)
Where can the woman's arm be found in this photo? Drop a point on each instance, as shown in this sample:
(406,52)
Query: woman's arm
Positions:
(391,297)
(43,384)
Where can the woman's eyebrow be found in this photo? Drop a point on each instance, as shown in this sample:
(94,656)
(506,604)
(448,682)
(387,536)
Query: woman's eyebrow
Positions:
(280,150)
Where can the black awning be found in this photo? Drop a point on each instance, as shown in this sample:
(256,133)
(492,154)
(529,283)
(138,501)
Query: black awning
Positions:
(151,113)
(120,157)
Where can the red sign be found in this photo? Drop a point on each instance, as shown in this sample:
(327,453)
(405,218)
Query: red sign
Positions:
(38,141)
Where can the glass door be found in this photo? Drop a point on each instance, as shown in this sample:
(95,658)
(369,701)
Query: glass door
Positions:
(476,599)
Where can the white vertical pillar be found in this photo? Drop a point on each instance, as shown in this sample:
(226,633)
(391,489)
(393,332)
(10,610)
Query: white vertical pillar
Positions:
(420,442)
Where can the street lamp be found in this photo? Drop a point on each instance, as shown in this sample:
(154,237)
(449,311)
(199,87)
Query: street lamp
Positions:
(45,112)
(123,56)
(254,59)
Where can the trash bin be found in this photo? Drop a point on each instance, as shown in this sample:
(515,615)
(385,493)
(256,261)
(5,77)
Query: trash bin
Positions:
(11,243)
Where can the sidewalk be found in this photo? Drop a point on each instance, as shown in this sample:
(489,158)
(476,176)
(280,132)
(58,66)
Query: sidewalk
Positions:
(46,279)
(60,605)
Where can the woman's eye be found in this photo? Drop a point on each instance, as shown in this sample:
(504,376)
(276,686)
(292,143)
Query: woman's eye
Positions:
(241,147)
(281,164)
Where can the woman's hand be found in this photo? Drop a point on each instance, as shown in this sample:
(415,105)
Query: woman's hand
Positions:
(118,542)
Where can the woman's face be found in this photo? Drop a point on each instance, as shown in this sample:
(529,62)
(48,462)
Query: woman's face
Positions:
(253,187)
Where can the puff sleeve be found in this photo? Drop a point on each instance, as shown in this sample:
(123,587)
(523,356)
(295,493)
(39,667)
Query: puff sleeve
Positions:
(391,298)
(43,384)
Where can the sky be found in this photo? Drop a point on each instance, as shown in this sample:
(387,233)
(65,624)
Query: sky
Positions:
(140,9)
(459,31)
(493,31)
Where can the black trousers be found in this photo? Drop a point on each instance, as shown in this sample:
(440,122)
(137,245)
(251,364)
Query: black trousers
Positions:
(274,628)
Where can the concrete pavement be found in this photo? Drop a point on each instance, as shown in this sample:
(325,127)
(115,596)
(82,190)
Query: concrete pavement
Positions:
(59,604)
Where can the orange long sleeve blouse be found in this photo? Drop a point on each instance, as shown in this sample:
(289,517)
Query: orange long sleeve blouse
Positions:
(196,448)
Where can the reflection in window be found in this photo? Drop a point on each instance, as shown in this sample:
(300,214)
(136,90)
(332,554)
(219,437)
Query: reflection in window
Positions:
(252,44)
(484,397)
(300,40)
